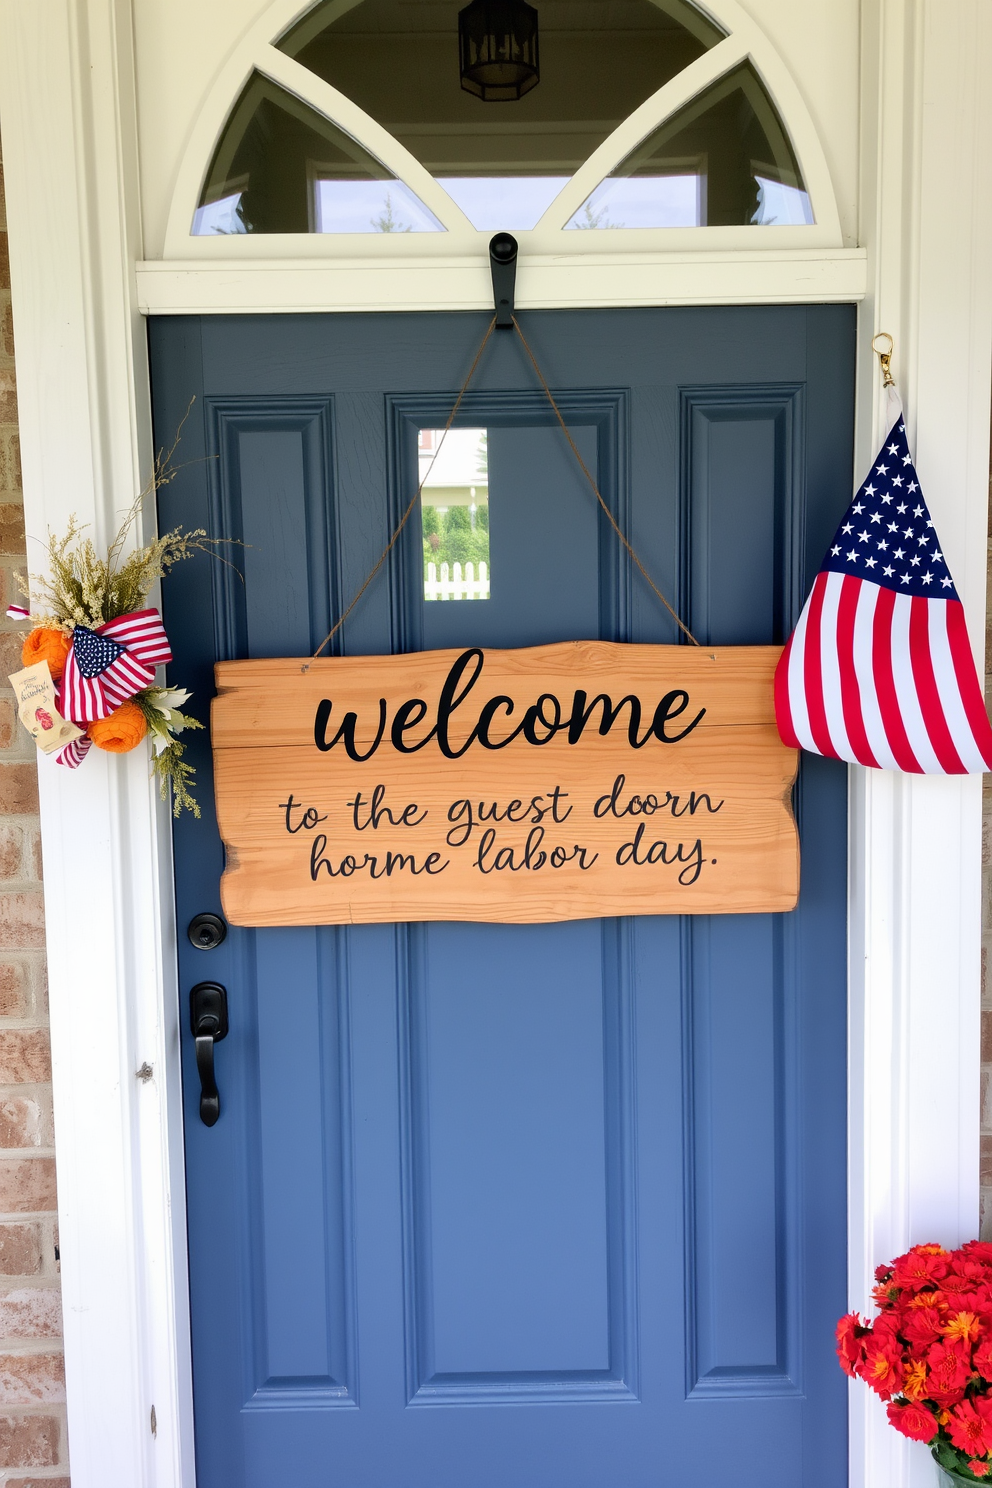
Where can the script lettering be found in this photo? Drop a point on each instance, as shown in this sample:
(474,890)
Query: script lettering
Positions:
(575,780)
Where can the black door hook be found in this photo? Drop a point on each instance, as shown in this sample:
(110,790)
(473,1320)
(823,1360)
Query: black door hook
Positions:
(208,1020)
(503,263)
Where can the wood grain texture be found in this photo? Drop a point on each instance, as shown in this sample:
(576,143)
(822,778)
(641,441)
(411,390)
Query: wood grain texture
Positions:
(533,827)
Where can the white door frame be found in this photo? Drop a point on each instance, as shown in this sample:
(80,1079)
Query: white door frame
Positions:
(69,137)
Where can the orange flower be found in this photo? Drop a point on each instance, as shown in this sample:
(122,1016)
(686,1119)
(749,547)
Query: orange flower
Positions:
(122,731)
(880,1365)
(963,1325)
(928,1299)
(915,1382)
(981,1468)
(47,645)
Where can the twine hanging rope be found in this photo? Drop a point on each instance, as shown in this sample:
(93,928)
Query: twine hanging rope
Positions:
(416,496)
(582,466)
(585,471)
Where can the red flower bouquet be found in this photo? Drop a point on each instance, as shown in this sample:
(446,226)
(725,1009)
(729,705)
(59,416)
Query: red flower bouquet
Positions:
(928,1353)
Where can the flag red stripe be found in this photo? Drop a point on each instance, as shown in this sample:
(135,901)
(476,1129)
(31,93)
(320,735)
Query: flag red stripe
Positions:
(967,677)
(850,690)
(926,689)
(885,687)
(812,671)
(142,633)
(126,674)
(783,708)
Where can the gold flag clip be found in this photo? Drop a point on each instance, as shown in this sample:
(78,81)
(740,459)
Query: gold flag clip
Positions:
(885,357)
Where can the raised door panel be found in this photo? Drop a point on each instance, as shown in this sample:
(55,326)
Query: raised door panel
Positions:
(519,1181)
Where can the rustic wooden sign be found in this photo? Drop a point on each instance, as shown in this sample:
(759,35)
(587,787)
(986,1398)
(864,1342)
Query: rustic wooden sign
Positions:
(552,783)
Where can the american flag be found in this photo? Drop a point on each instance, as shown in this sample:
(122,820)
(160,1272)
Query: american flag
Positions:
(107,666)
(879,671)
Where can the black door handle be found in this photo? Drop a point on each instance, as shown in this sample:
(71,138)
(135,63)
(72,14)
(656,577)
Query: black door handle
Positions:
(208,1020)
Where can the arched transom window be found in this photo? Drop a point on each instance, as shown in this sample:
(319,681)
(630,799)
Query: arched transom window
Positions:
(364,117)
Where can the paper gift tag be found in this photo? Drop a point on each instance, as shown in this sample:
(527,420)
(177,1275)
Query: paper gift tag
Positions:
(37,710)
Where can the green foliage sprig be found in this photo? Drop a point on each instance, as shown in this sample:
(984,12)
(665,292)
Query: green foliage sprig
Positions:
(82,588)
(161,707)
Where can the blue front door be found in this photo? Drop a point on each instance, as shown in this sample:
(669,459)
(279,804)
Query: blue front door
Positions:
(554,1206)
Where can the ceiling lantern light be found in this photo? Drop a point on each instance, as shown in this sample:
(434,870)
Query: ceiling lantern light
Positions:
(497,47)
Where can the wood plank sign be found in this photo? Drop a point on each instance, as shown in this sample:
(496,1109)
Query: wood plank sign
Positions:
(550,783)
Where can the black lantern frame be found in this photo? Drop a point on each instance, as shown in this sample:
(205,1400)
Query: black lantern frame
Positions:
(497,49)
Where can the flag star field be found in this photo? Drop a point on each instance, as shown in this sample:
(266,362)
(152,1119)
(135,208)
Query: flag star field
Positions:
(887,534)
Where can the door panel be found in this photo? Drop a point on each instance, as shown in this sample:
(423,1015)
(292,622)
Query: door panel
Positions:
(519,1177)
(511,1285)
(743,465)
(739,1196)
(524,1206)
(301,1268)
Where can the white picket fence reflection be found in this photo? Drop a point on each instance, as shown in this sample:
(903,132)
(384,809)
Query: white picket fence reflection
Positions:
(457,584)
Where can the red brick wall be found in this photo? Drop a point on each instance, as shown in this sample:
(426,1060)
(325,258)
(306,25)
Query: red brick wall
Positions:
(32,1391)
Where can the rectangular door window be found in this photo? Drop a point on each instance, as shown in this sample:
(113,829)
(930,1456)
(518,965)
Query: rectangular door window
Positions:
(453,469)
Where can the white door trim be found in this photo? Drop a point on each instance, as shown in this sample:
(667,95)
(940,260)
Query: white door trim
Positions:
(544,282)
(67,115)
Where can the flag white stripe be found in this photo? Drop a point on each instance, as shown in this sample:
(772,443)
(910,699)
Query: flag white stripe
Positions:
(864,631)
(126,673)
(906,694)
(947,687)
(147,655)
(797,683)
(84,701)
(833,704)
(144,637)
(144,645)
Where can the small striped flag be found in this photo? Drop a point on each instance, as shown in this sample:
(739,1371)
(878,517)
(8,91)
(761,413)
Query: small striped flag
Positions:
(75,752)
(105,667)
(879,671)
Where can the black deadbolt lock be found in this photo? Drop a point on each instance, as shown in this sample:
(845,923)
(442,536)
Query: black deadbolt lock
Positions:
(206,931)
